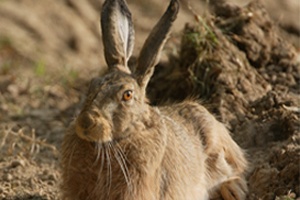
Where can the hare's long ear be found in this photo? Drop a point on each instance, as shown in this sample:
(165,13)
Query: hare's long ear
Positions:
(150,52)
(117,34)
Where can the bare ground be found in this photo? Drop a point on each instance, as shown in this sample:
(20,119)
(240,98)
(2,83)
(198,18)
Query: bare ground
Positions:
(243,62)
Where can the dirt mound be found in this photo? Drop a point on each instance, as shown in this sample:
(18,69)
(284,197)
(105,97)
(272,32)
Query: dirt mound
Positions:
(236,60)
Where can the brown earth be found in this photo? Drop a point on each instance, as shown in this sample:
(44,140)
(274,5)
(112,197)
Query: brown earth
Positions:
(241,60)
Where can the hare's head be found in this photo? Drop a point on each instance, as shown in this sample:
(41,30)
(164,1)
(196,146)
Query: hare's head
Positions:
(116,103)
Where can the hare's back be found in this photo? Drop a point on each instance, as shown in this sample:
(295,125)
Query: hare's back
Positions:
(194,117)
(219,150)
(200,125)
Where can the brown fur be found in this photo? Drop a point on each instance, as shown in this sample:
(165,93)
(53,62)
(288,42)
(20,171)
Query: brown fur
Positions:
(126,149)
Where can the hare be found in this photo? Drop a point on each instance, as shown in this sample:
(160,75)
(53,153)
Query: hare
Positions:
(120,147)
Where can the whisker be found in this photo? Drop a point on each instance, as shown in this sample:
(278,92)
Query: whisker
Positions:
(102,161)
(122,152)
(122,165)
(98,147)
(107,151)
(123,156)
(127,170)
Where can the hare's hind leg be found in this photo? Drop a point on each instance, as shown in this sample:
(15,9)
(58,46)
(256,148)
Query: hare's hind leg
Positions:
(224,180)
(235,188)
(226,163)
(213,135)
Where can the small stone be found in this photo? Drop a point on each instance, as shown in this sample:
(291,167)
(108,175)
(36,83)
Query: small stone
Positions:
(16,183)
(7,177)
(46,172)
(292,195)
(17,163)
(52,177)
(51,183)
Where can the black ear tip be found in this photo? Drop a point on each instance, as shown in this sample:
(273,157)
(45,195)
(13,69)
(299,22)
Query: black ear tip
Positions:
(174,5)
(173,9)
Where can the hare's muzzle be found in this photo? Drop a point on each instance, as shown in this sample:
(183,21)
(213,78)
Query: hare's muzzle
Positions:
(93,127)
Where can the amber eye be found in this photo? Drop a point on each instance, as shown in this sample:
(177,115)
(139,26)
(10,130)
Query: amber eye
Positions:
(127,95)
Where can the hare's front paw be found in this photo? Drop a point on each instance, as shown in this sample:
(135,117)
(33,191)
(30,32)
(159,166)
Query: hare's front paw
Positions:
(234,189)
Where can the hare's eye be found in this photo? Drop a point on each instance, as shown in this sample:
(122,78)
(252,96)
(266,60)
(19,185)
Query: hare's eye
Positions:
(127,95)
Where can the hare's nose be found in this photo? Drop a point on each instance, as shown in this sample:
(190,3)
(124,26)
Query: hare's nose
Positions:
(82,124)
(85,121)
(93,127)
(88,118)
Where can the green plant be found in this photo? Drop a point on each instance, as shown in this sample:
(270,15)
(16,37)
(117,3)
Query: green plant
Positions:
(4,41)
(40,68)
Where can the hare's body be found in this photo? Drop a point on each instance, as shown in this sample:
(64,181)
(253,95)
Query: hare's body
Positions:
(121,148)
(173,164)
(185,153)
